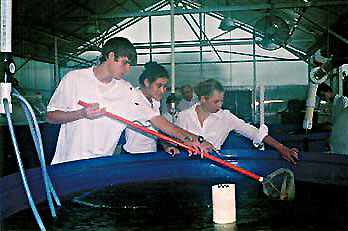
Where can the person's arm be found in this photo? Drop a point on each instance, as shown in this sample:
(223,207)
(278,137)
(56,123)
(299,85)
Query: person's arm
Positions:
(185,136)
(289,154)
(62,117)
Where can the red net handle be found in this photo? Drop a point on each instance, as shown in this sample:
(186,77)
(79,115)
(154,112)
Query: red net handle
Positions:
(179,143)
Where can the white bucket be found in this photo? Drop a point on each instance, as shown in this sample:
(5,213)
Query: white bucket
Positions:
(224,203)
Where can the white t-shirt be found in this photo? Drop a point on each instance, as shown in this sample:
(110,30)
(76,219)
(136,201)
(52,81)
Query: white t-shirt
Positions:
(217,126)
(137,142)
(85,138)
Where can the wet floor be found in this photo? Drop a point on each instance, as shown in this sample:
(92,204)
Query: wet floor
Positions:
(182,205)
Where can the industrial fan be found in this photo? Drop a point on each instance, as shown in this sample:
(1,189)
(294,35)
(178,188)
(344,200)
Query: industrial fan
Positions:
(271,32)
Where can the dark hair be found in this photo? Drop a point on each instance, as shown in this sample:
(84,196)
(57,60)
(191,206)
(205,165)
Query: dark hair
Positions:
(152,72)
(121,47)
(185,86)
(323,87)
(207,87)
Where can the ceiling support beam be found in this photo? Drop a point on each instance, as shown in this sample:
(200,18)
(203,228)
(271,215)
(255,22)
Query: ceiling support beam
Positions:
(324,29)
(240,7)
(202,32)
(213,62)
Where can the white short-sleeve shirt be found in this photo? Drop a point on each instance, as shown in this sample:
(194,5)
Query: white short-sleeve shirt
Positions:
(217,126)
(85,138)
(137,142)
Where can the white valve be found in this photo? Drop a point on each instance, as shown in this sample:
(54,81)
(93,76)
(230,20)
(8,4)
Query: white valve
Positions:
(5,93)
(310,105)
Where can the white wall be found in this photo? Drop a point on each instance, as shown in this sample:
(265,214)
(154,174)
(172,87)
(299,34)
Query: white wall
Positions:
(35,77)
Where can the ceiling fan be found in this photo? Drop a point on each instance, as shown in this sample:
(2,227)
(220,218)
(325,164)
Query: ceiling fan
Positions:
(271,32)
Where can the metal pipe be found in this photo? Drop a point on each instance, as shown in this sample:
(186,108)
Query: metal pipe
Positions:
(56,74)
(200,41)
(197,43)
(172,44)
(254,80)
(6,26)
(262,104)
(150,37)
(214,62)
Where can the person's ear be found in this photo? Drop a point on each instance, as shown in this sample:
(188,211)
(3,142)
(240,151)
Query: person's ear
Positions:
(146,83)
(111,56)
(203,99)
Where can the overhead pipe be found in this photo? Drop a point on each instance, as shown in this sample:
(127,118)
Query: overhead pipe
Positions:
(172,51)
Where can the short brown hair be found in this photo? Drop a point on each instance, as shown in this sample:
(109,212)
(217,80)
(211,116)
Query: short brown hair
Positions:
(207,87)
(121,47)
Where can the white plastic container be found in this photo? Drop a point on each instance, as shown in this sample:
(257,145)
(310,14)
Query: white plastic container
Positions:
(224,203)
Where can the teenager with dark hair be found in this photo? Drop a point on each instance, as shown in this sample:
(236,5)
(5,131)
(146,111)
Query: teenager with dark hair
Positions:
(153,84)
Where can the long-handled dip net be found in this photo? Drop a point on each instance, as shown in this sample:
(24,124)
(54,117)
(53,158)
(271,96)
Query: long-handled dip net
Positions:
(278,185)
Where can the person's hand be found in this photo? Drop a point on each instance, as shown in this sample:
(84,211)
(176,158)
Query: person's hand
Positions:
(199,147)
(290,154)
(172,151)
(93,111)
(208,147)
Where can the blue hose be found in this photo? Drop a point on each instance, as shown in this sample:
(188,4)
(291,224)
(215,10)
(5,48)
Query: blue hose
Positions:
(21,169)
(35,131)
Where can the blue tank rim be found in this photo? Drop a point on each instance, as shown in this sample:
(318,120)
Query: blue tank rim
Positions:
(67,178)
